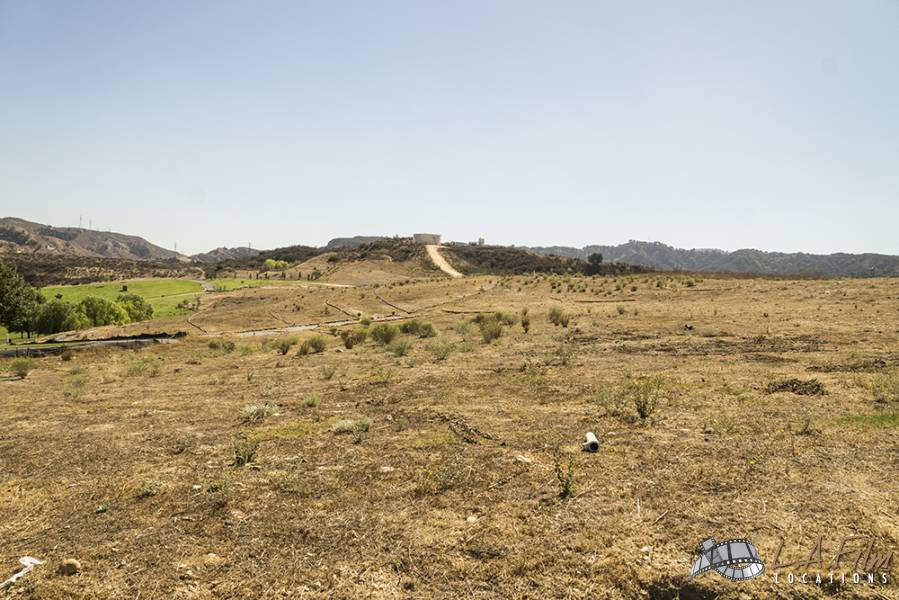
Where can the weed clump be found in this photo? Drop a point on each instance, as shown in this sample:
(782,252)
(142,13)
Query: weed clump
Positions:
(557,316)
(399,347)
(440,350)
(284,345)
(223,346)
(384,333)
(244,452)
(885,388)
(352,338)
(419,328)
(256,413)
(351,426)
(21,367)
(313,345)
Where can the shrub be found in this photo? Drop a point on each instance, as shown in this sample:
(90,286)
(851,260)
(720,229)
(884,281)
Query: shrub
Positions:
(507,319)
(885,388)
(564,476)
(254,413)
(67,355)
(351,426)
(399,347)
(224,346)
(525,323)
(244,452)
(416,327)
(384,333)
(365,322)
(621,310)
(556,315)
(311,401)
(644,393)
(146,366)
(351,338)
(313,345)
(21,367)
(328,372)
(440,350)
(490,330)
(283,345)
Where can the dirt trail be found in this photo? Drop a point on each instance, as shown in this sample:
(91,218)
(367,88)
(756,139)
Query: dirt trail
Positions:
(434,253)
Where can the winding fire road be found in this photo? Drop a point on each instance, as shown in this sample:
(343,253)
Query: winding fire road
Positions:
(437,258)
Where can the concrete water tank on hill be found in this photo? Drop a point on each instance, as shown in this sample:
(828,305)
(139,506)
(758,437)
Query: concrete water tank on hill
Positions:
(426,238)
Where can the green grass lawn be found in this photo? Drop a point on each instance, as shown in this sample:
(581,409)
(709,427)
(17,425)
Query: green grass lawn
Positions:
(163,294)
(234,283)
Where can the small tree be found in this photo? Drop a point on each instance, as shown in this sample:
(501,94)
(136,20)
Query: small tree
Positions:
(19,302)
(137,308)
(594,263)
(100,311)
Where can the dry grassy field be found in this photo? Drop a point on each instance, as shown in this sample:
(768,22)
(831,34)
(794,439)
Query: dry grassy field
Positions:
(229,465)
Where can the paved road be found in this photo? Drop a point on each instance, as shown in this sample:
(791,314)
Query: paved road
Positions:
(434,253)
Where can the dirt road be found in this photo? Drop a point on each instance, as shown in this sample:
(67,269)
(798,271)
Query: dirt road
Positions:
(434,253)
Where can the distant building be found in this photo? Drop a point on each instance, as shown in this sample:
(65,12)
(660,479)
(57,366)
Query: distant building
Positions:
(480,241)
(426,238)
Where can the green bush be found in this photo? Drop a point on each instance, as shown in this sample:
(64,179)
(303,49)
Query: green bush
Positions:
(644,393)
(384,333)
(224,346)
(352,338)
(554,315)
(313,345)
(419,328)
(490,330)
(351,426)
(440,350)
(136,307)
(21,367)
(283,345)
(58,315)
(399,347)
(100,311)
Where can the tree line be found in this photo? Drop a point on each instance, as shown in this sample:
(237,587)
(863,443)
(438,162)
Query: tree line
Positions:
(24,310)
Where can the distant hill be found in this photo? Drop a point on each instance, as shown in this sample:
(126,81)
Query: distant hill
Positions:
(18,236)
(656,255)
(353,242)
(223,254)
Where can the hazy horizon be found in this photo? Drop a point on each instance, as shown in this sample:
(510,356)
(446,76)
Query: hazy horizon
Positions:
(765,125)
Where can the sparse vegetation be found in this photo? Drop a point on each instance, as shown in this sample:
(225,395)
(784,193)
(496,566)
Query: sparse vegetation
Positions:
(21,367)
(557,316)
(885,388)
(384,333)
(313,345)
(418,328)
(399,347)
(256,413)
(284,344)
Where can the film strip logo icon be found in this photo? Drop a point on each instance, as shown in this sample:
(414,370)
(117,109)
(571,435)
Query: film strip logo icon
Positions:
(735,559)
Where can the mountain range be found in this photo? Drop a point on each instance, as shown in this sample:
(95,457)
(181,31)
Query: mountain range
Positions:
(21,237)
(662,257)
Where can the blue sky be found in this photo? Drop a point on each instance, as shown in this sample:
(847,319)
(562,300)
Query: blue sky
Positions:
(772,125)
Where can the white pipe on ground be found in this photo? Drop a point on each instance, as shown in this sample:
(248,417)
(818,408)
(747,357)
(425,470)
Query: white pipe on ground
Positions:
(591,444)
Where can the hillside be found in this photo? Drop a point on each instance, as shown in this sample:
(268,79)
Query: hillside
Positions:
(222,254)
(18,236)
(656,255)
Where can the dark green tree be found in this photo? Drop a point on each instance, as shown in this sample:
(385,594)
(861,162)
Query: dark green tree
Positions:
(19,302)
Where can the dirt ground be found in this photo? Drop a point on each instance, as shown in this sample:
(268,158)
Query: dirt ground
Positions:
(455,470)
